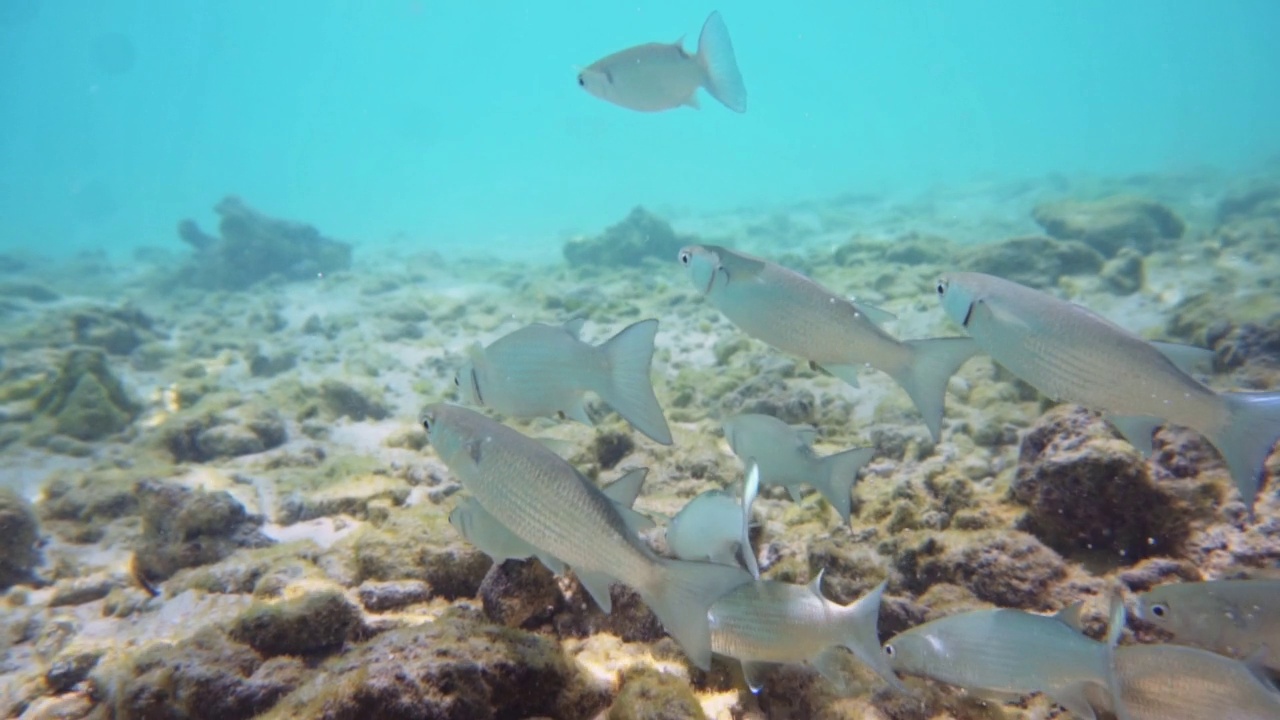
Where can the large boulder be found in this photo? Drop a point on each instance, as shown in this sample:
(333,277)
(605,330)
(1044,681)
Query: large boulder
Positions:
(641,235)
(1110,223)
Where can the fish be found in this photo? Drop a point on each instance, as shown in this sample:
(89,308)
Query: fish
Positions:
(1072,354)
(1011,652)
(1232,617)
(785,457)
(659,76)
(765,623)
(492,538)
(545,502)
(1172,682)
(798,316)
(715,526)
(542,370)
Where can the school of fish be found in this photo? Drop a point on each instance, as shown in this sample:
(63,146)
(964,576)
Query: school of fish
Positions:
(525,501)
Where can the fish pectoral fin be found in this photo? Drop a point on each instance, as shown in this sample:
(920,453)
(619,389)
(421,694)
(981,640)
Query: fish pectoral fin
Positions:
(754,673)
(488,534)
(847,373)
(1075,699)
(1190,359)
(573,326)
(597,585)
(1137,429)
(562,448)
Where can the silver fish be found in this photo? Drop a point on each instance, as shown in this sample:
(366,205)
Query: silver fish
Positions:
(1011,652)
(1232,617)
(479,528)
(545,502)
(765,623)
(1069,353)
(543,370)
(659,76)
(785,458)
(798,316)
(715,526)
(1170,682)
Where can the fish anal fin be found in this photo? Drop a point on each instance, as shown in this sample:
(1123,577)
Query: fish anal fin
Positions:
(692,101)
(553,564)
(597,586)
(847,373)
(577,411)
(1075,699)
(754,673)
(626,489)
(1137,429)
(877,316)
(1071,615)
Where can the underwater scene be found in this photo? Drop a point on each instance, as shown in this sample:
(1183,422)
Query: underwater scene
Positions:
(639,361)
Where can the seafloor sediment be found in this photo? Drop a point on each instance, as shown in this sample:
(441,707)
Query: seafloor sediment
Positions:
(216,501)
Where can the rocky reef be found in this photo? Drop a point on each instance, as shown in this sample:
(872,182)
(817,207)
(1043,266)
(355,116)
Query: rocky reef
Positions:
(251,247)
(231,511)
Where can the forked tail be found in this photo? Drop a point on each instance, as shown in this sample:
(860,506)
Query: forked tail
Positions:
(925,378)
(627,388)
(721,77)
(1253,426)
(681,596)
(839,473)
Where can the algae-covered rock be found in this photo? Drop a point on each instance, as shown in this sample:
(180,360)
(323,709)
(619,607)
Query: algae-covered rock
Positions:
(84,399)
(1089,491)
(415,544)
(253,247)
(909,249)
(520,593)
(1035,261)
(648,694)
(1125,273)
(185,528)
(1238,344)
(451,668)
(119,331)
(383,596)
(19,533)
(641,235)
(1110,223)
(206,677)
(316,622)
(338,399)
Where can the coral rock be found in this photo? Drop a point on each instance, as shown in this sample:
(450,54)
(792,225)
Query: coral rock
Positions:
(642,234)
(1088,491)
(316,622)
(185,528)
(1111,223)
(19,533)
(1125,273)
(1036,261)
(520,593)
(84,399)
(648,694)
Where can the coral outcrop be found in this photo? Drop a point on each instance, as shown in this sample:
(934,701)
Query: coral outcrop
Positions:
(19,533)
(640,235)
(84,399)
(1111,223)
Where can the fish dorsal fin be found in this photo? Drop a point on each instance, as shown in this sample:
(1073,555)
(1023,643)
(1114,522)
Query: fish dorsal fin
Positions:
(806,434)
(597,585)
(1071,615)
(562,448)
(624,491)
(573,326)
(878,316)
(750,487)
(816,585)
(1190,359)
(1115,618)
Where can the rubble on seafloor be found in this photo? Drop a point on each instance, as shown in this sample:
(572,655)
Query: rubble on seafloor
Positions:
(231,512)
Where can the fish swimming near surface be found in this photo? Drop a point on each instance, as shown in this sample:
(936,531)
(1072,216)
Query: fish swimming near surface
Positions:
(785,457)
(661,76)
(1232,617)
(1171,682)
(1071,354)
(542,370)
(798,316)
(1007,652)
(766,623)
(545,502)
(715,526)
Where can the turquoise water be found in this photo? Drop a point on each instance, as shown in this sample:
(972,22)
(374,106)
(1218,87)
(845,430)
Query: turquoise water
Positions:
(441,125)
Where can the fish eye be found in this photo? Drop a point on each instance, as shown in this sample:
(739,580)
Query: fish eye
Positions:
(1160,610)
(582,82)
(455,381)
(684,257)
(888,650)
(942,287)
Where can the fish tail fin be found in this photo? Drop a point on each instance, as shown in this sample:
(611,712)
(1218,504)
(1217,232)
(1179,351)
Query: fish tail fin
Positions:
(839,473)
(720,72)
(933,362)
(1253,426)
(628,356)
(860,634)
(681,597)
